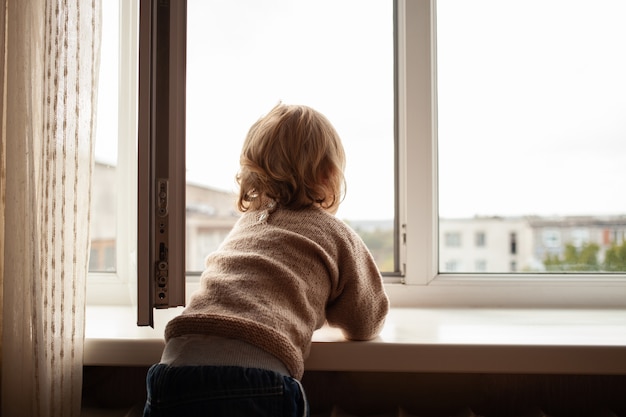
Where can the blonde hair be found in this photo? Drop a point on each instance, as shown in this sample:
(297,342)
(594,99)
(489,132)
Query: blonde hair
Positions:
(294,156)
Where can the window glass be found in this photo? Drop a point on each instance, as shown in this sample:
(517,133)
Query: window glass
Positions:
(531,134)
(104,195)
(243,57)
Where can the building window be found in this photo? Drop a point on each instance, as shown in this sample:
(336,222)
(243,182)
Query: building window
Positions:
(551,238)
(513,243)
(453,239)
(452,266)
(480,239)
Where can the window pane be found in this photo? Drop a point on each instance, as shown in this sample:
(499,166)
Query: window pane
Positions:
(104,195)
(531,134)
(246,56)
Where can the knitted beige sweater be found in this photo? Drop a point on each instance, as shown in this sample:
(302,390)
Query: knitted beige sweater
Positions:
(278,277)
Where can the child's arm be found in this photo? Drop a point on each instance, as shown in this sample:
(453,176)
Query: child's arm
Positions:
(358,304)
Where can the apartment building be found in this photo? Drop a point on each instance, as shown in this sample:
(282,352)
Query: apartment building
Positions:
(481,244)
(521,244)
(485,244)
(552,234)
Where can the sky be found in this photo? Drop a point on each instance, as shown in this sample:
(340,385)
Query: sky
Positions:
(246,56)
(531,97)
(535,93)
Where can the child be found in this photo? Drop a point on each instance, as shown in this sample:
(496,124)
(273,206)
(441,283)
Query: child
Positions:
(287,267)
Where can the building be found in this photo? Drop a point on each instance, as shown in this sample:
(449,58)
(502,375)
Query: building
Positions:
(485,244)
(479,244)
(551,235)
(210,215)
(521,244)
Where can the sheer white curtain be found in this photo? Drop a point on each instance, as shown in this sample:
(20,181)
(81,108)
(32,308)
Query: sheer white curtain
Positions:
(49,67)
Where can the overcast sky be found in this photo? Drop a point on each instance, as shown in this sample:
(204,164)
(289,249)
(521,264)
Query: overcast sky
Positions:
(335,56)
(532,107)
(532,97)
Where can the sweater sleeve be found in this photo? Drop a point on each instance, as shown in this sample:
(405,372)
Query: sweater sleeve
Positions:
(358,303)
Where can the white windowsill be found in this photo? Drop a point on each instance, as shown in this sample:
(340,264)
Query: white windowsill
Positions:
(484,340)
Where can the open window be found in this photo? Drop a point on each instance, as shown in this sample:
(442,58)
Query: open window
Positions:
(442,256)
(161,153)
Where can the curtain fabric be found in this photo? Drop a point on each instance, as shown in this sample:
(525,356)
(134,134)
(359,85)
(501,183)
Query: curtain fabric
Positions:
(50,51)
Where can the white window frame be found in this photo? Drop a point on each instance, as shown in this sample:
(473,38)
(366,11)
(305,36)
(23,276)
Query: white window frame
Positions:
(120,288)
(421,284)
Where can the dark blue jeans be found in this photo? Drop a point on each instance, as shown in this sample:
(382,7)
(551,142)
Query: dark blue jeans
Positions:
(227,391)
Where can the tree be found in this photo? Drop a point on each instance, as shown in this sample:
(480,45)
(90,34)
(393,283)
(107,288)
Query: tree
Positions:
(574,259)
(615,258)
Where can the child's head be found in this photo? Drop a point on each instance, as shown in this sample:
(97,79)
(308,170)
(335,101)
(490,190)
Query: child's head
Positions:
(292,155)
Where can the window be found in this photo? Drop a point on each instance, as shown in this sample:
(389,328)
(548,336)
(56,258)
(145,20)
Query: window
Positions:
(452,266)
(513,243)
(480,239)
(244,57)
(551,238)
(161,186)
(453,239)
(112,265)
(529,121)
(104,206)
(440,184)
(104,199)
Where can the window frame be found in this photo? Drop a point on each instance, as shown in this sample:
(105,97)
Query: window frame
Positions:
(420,283)
(423,285)
(119,287)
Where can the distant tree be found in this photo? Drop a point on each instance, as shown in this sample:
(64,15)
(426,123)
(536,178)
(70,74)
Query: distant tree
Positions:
(552,262)
(615,258)
(574,259)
